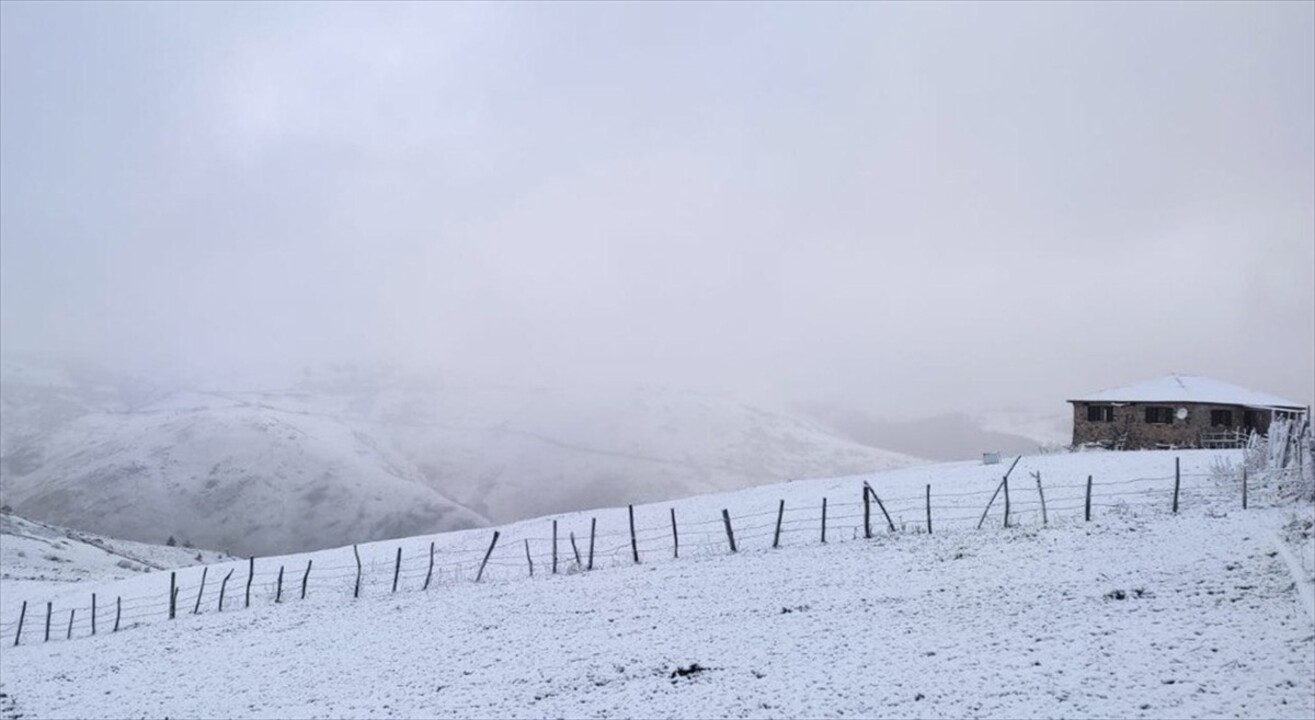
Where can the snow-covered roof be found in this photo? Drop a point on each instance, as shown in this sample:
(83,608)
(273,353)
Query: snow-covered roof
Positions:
(1189,389)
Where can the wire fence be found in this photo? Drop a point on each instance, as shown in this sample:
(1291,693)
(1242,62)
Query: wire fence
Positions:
(575,546)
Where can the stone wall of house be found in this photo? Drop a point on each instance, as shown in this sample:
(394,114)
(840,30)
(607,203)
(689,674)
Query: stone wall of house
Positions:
(1130,430)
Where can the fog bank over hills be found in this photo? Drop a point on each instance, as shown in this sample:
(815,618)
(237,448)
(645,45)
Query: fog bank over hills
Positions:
(953,436)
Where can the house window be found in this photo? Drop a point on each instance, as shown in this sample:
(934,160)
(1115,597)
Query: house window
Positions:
(1159,416)
(1100,413)
(1221,417)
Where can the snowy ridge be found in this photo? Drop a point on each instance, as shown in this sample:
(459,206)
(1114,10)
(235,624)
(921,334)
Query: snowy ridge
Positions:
(961,493)
(1138,612)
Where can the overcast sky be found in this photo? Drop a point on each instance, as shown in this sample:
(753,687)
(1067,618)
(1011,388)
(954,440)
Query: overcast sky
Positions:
(909,208)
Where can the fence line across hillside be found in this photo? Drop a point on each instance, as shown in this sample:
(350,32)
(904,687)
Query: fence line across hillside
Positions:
(576,547)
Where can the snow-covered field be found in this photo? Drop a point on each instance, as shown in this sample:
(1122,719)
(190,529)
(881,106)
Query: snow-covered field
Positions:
(1137,613)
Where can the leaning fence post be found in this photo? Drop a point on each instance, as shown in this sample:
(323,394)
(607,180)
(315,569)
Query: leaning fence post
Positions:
(430,572)
(480,574)
(305,578)
(1176,479)
(1244,487)
(1088,506)
(867,513)
(21,614)
(675,537)
(1004,483)
(222,587)
(356,553)
(204,571)
(69,636)
(554,547)
(730,535)
(278,591)
(529,560)
(989,503)
(780,513)
(118,611)
(890,523)
(251,575)
(593,525)
(928,508)
(823,521)
(49,609)
(634,544)
(93,613)
(397,567)
(173,593)
(575,550)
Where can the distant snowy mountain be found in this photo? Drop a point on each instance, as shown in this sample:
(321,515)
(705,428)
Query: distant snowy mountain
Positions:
(345,455)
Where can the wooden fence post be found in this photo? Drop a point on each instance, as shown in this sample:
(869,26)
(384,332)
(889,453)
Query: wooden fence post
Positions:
(593,525)
(118,611)
(278,591)
(49,609)
(480,574)
(675,537)
(890,523)
(430,572)
(867,513)
(93,613)
(1176,478)
(529,560)
(780,513)
(929,508)
(305,578)
(1244,487)
(356,553)
(1088,507)
(251,575)
(69,636)
(1006,486)
(397,567)
(222,587)
(21,614)
(1039,491)
(575,550)
(173,593)
(730,535)
(634,544)
(204,571)
(823,521)
(554,547)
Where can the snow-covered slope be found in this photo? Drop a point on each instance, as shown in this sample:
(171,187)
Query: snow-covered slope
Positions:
(1140,612)
(346,456)
(37,558)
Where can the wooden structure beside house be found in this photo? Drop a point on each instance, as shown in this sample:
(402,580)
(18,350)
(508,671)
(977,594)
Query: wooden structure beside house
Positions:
(1176,411)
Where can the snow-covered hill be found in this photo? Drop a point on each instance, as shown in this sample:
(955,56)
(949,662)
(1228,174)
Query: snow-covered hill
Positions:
(1141,612)
(344,456)
(37,558)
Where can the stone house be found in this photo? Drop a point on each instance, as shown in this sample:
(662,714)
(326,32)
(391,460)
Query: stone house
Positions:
(1176,411)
